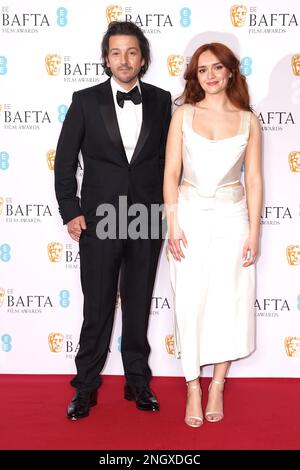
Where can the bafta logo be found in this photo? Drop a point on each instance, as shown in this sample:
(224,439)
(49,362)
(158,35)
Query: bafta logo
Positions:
(55,250)
(238,15)
(296,64)
(113,13)
(169,342)
(175,62)
(2,293)
(292,346)
(52,62)
(293,255)
(294,161)
(51,159)
(1,204)
(55,341)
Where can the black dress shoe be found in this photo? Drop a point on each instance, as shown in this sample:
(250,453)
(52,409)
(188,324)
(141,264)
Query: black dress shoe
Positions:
(144,398)
(79,406)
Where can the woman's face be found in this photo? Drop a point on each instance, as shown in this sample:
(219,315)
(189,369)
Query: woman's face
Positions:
(212,75)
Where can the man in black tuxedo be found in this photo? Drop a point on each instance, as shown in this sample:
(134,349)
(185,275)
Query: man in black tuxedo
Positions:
(121,127)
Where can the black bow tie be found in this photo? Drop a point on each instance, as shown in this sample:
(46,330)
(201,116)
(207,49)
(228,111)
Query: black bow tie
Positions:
(134,95)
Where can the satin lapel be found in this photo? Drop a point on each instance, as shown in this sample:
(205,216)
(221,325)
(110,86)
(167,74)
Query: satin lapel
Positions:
(148,116)
(109,116)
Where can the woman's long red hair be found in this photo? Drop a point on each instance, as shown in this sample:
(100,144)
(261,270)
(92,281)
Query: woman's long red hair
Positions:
(237,89)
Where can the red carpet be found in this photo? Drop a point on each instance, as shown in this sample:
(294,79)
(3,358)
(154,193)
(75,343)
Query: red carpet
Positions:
(259,414)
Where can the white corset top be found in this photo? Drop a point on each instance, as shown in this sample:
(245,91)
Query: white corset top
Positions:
(211,164)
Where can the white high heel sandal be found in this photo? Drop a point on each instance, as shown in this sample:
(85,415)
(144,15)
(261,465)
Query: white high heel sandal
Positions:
(214,416)
(193,421)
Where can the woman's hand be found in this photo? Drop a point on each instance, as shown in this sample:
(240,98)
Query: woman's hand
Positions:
(250,251)
(176,237)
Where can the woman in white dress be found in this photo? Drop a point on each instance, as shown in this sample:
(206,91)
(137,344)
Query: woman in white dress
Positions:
(213,228)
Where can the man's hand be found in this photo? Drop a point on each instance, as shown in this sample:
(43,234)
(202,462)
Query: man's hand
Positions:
(75,227)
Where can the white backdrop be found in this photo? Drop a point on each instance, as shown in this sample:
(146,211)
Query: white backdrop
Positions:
(40,294)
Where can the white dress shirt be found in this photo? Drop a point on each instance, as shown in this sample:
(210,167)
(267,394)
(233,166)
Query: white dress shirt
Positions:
(129,119)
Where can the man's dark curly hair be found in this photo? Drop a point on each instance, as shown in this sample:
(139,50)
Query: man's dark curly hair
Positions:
(125,28)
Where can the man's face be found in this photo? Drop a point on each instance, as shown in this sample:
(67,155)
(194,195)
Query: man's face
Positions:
(124,59)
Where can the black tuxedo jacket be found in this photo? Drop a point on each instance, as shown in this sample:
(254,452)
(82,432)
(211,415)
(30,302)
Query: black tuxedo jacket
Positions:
(91,126)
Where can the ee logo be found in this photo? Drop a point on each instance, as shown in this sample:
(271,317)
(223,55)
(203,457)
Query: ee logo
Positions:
(6,343)
(62,16)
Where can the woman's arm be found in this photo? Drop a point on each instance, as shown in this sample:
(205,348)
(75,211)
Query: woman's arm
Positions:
(254,190)
(172,172)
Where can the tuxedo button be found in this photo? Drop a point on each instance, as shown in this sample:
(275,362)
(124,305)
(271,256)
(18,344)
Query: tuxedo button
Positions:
(129,168)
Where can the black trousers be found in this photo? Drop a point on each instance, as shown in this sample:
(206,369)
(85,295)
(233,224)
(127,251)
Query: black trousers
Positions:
(101,263)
